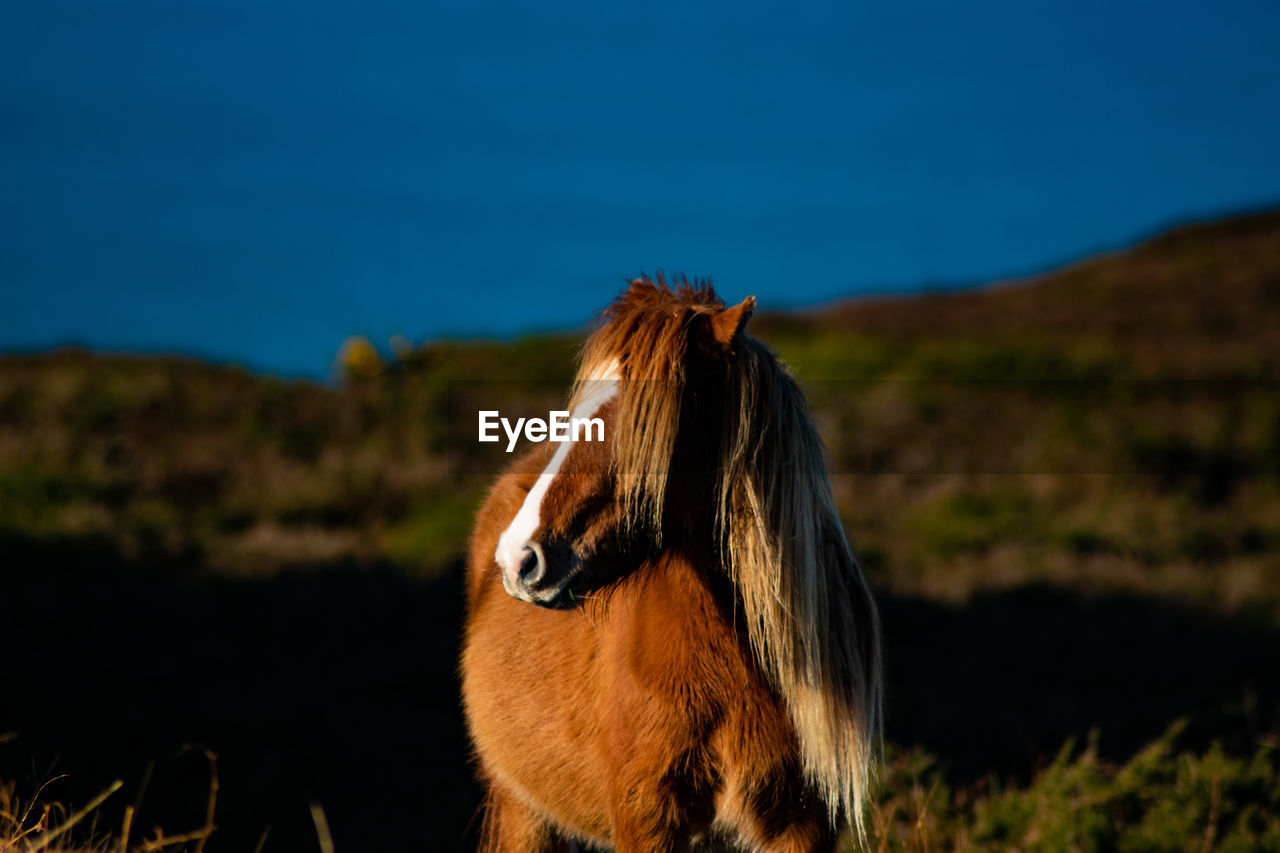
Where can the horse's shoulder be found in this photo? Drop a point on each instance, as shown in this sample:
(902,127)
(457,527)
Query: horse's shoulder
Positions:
(678,635)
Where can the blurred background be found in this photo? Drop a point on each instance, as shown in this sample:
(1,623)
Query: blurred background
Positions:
(259,261)
(253,182)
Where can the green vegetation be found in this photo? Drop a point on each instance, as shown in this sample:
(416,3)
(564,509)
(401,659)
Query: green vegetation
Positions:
(1160,800)
(213,467)
(1086,464)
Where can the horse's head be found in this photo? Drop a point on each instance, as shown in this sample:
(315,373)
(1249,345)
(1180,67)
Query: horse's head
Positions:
(653,376)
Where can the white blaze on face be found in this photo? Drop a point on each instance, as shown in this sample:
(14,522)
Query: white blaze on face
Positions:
(511,544)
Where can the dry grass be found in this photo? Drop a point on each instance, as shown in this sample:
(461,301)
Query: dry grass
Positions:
(38,824)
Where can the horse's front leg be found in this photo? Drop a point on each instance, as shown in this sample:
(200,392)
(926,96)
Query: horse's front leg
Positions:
(647,816)
(792,821)
(634,834)
(510,826)
(808,837)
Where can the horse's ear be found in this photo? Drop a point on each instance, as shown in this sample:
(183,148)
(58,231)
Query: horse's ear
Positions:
(727,326)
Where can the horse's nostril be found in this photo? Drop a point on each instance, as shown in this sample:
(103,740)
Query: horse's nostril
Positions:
(532,565)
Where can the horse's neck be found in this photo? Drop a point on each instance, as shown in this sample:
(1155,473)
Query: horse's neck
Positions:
(684,592)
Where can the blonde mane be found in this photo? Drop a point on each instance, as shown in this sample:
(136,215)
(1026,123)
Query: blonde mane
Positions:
(809,614)
(809,611)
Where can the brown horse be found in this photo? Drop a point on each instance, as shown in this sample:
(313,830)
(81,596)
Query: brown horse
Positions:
(703,663)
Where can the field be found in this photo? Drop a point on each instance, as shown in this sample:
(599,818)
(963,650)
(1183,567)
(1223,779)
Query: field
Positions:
(1065,490)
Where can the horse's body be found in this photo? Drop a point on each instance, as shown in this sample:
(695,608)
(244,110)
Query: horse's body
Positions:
(686,677)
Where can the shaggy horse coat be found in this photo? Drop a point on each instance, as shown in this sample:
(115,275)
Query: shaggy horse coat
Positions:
(668,639)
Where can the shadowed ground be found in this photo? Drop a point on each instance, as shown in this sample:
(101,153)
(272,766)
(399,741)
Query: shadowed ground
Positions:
(335,687)
(338,686)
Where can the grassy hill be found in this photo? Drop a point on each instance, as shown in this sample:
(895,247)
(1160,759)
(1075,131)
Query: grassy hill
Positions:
(1066,491)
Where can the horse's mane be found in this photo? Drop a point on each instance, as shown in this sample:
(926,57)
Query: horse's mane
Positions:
(811,619)
(809,612)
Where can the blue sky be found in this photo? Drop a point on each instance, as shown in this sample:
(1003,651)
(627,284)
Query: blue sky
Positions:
(253,182)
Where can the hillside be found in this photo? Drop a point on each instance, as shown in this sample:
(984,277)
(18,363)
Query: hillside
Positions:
(1152,370)
(1066,491)
(1197,299)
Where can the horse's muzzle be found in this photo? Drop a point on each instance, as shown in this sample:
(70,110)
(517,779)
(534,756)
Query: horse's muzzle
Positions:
(530,580)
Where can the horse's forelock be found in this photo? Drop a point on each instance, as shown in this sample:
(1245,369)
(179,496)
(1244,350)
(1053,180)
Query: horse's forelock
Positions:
(646,331)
